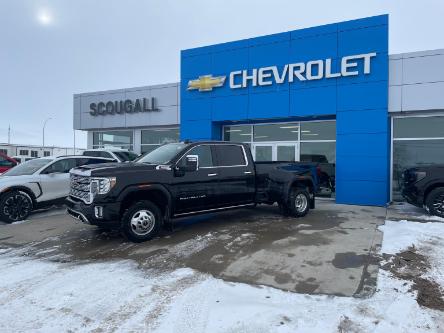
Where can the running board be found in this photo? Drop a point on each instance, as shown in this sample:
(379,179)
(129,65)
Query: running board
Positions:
(213,210)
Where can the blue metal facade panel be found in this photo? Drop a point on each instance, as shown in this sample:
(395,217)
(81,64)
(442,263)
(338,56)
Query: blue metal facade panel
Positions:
(359,103)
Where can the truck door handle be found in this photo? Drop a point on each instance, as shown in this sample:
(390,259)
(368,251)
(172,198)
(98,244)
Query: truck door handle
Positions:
(247,172)
(212,174)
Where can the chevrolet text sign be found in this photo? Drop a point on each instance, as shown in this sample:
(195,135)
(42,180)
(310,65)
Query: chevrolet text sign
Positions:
(302,71)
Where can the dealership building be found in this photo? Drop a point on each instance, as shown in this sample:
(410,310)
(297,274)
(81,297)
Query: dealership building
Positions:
(330,94)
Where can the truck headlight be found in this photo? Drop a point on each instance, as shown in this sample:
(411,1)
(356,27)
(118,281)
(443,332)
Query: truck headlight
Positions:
(102,185)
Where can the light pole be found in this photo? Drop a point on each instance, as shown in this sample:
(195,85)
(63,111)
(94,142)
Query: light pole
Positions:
(44,124)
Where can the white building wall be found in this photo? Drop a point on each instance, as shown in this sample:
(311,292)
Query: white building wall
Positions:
(416,81)
(165,95)
(16,150)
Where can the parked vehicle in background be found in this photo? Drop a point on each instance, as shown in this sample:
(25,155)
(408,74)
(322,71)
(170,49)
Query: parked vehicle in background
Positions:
(21,159)
(6,163)
(119,155)
(424,187)
(37,183)
(180,179)
(326,173)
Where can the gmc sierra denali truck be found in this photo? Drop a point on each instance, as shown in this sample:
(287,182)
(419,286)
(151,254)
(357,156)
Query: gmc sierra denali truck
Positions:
(181,179)
(423,186)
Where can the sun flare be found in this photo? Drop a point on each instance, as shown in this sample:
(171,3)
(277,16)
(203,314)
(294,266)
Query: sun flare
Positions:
(44,17)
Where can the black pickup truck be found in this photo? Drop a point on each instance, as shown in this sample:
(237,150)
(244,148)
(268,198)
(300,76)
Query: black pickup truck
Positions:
(181,179)
(424,187)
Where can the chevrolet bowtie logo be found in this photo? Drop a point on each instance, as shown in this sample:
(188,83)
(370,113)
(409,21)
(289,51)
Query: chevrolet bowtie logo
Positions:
(206,83)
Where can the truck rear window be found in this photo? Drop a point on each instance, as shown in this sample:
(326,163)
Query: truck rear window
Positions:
(230,155)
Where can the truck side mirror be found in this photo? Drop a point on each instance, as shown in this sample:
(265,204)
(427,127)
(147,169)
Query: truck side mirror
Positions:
(191,163)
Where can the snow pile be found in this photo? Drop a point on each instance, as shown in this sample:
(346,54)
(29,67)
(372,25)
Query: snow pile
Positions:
(428,237)
(45,296)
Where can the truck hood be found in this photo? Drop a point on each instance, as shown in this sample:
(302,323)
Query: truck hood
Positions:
(8,181)
(427,168)
(112,169)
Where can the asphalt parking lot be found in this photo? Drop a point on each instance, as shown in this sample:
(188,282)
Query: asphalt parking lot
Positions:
(330,251)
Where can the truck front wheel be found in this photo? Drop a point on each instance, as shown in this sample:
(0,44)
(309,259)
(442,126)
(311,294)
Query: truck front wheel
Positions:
(298,202)
(435,202)
(142,221)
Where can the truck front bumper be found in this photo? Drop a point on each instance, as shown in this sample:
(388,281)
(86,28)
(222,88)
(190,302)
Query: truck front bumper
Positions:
(110,217)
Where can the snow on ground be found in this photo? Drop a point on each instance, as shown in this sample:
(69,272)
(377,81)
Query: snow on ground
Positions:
(46,296)
(427,237)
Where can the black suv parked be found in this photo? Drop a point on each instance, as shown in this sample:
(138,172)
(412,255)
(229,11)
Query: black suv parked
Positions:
(180,179)
(424,186)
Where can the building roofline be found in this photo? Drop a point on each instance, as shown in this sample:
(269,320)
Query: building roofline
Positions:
(416,54)
(123,90)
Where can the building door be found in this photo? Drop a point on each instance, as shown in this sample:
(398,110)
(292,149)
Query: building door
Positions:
(262,152)
(273,151)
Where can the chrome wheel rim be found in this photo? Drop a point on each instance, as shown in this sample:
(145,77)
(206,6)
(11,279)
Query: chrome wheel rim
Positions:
(438,204)
(17,207)
(142,222)
(300,203)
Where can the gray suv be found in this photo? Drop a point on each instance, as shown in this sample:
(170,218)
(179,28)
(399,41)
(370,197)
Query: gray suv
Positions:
(38,183)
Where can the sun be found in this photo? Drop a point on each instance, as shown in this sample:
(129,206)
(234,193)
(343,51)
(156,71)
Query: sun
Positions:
(44,17)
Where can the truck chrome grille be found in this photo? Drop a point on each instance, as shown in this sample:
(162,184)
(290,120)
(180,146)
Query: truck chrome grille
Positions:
(80,187)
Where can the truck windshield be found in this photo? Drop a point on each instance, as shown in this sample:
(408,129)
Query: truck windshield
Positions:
(27,168)
(162,155)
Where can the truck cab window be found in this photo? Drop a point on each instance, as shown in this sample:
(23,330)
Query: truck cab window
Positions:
(230,155)
(205,156)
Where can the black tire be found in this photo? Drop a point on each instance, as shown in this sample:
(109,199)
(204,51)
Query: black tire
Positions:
(15,206)
(298,203)
(435,202)
(138,224)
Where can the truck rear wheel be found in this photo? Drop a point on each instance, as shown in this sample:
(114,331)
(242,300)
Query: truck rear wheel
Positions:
(142,221)
(435,202)
(298,202)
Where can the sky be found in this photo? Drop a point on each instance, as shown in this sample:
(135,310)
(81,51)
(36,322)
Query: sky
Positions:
(50,50)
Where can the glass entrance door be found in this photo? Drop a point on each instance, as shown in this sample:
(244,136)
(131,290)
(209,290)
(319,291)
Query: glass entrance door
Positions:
(263,152)
(282,151)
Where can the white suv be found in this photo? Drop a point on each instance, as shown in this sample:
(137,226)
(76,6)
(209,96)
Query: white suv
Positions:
(119,155)
(37,183)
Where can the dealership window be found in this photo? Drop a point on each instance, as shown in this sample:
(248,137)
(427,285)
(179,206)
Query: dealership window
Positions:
(46,153)
(276,132)
(4,151)
(312,141)
(240,133)
(116,139)
(416,141)
(34,153)
(24,152)
(155,137)
(318,142)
